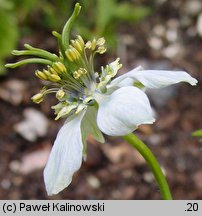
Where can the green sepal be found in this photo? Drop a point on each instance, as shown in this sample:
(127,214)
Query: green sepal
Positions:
(68,25)
(89,126)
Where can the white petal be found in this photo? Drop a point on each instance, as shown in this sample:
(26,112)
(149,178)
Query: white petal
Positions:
(121,80)
(154,78)
(121,112)
(65,157)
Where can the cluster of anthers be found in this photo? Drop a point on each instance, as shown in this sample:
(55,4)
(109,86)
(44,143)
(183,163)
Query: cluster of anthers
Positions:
(71,74)
(72,77)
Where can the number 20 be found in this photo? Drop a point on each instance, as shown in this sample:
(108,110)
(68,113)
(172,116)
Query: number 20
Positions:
(192,207)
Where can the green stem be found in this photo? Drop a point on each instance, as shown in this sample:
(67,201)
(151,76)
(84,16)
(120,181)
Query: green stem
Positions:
(152,163)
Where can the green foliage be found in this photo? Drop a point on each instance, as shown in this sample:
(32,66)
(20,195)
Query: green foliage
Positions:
(8,32)
(99,18)
(104,16)
(198,133)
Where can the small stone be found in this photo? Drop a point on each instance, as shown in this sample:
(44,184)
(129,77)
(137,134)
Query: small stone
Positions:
(193,7)
(14,166)
(172,35)
(125,193)
(159,30)
(13,91)
(34,125)
(173,23)
(197,179)
(155,43)
(35,160)
(148,177)
(154,139)
(199,25)
(5,184)
(172,51)
(127,173)
(123,153)
(94,182)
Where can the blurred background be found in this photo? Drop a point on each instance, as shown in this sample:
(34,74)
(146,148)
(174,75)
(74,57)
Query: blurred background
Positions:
(158,34)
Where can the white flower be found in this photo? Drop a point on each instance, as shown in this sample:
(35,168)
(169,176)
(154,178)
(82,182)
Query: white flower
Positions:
(115,107)
(92,102)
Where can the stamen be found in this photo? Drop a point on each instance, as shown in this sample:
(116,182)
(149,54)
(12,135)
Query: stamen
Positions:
(54,78)
(80,39)
(41,75)
(88,45)
(65,111)
(93,44)
(78,44)
(76,75)
(101,49)
(60,94)
(37,98)
(72,54)
(52,70)
(46,72)
(59,67)
(101,41)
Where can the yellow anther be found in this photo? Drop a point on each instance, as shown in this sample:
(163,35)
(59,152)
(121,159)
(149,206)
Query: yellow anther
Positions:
(69,55)
(46,72)
(88,45)
(52,71)
(72,54)
(59,67)
(60,94)
(101,41)
(78,46)
(76,74)
(41,75)
(54,78)
(82,71)
(76,53)
(101,49)
(38,98)
(72,41)
(93,45)
(81,41)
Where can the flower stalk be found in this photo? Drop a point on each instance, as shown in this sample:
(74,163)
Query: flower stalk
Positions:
(136,143)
